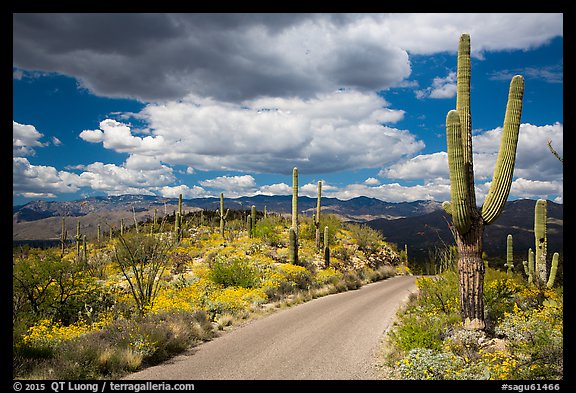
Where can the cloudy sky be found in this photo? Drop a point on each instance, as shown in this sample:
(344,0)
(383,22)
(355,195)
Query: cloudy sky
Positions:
(198,104)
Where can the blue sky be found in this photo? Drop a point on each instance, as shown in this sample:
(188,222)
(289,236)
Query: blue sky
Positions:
(198,104)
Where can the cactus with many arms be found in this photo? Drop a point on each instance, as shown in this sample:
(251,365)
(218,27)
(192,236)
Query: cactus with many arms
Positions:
(469,221)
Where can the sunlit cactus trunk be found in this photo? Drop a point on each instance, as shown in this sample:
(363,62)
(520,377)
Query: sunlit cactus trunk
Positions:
(467,220)
(509,254)
(540,217)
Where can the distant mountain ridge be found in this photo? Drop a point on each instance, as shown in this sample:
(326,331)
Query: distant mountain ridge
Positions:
(41,220)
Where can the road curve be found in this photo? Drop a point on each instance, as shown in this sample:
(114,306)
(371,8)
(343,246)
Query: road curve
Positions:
(332,337)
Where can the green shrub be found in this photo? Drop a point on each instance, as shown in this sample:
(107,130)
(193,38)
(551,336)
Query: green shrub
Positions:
(267,230)
(236,272)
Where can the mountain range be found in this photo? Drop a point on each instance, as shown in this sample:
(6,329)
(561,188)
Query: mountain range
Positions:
(421,225)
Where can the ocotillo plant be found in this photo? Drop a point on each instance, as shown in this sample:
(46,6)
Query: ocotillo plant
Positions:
(222,214)
(509,254)
(326,247)
(469,221)
(317,215)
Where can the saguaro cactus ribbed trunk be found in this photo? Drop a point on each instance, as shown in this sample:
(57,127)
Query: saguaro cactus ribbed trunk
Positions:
(469,221)
(509,254)
(293,235)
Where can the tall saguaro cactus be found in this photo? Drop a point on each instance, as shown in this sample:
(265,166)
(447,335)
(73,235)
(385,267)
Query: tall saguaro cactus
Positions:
(468,220)
(293,234)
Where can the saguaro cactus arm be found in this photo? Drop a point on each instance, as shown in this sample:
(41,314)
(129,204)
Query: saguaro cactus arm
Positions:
(459,190)
(553,270)
(504,169)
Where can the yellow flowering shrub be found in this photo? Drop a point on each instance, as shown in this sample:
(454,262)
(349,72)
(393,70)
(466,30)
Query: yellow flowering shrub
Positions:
(235,299)
(328,276)
(46,335)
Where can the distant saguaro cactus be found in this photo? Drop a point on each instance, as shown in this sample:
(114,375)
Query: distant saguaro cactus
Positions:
(222,214)
(293,235)
(469,221)
(178,219)
(252,220)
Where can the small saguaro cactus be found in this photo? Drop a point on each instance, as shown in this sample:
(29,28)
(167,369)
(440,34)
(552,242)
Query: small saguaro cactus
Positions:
(222,215)
(529,266)
(249,223)
(509,254)
(468,221)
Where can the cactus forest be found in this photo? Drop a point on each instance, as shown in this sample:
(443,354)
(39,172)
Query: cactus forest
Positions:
(137,294)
